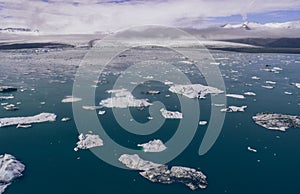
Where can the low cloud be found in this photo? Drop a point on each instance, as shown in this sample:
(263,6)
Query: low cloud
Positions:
(88,16)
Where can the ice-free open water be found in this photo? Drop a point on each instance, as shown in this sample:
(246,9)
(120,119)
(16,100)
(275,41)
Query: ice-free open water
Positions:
(53,167)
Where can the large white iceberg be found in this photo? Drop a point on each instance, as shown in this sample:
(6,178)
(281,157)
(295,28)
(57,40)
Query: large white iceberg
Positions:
(171,114)
(162,174)
(194,90)
(136,163)
(88,141)
(279,122)
(10,169)
(123,99)
(42,117)
(155,145)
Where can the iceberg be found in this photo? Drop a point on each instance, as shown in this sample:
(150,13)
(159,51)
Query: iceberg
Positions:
(134,162)
(6,97)
(123,99)
(162,174)
(250,93)
(194,90)
(42,117)
(155,145)
(239,96)
(279,122)
(152,92)
(297,85)
(10,169)
(69,99)
(171,114)
(202,122)
(234,109)
(88,141)
(251,149)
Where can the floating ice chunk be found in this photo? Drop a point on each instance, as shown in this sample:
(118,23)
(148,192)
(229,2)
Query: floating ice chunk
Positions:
(65,119)
(239,96)
(270,82)
(88,141)
(136,163)
(251,149)
(194,90)
(91,107)
(171,114)
(43,117)
(288,93)
(202,122)
(6,97)
(70,99)
(234,109)
(268,87)
(279,122)
(255,78)
(123,99)
(296,84)
(159,173)
(101,112)
(153,146)
(153,92)
(10,169)
(250,93)
(11,107)
(168,83)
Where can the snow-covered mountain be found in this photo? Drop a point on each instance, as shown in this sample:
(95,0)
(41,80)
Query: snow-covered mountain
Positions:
(254,25)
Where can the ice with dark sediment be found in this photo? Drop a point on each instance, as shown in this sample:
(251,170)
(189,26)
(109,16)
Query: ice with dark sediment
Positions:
(123,99)
(194,90)
(162,174)
(155,145)
(88,141)
(279,122)
(42,117)
(171,114)
(7,89)
(10,169)
(234,109)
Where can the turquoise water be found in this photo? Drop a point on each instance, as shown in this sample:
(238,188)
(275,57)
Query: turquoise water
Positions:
(53,167)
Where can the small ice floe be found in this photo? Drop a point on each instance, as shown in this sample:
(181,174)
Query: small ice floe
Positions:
(168,83)
(255,78)
(43,117)
(10,169)
(101,112)
(288,93)
(69,99)
(239,96)
(251,149)
(88,141)
(296,84)
(23,126)
(42,103)
(250,93)
(6,97)
(268,87)
(155,145)
(270,82)
(219,105)
(152,92)
(150,118)
(171,114)
(234,109)
(194,90)
(11,107)
(274,69)
(134,162)
(91,107)
(65,119)
(279,122)
(123,99)
(202,122)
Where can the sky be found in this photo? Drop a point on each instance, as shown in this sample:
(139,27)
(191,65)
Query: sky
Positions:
(89,16)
